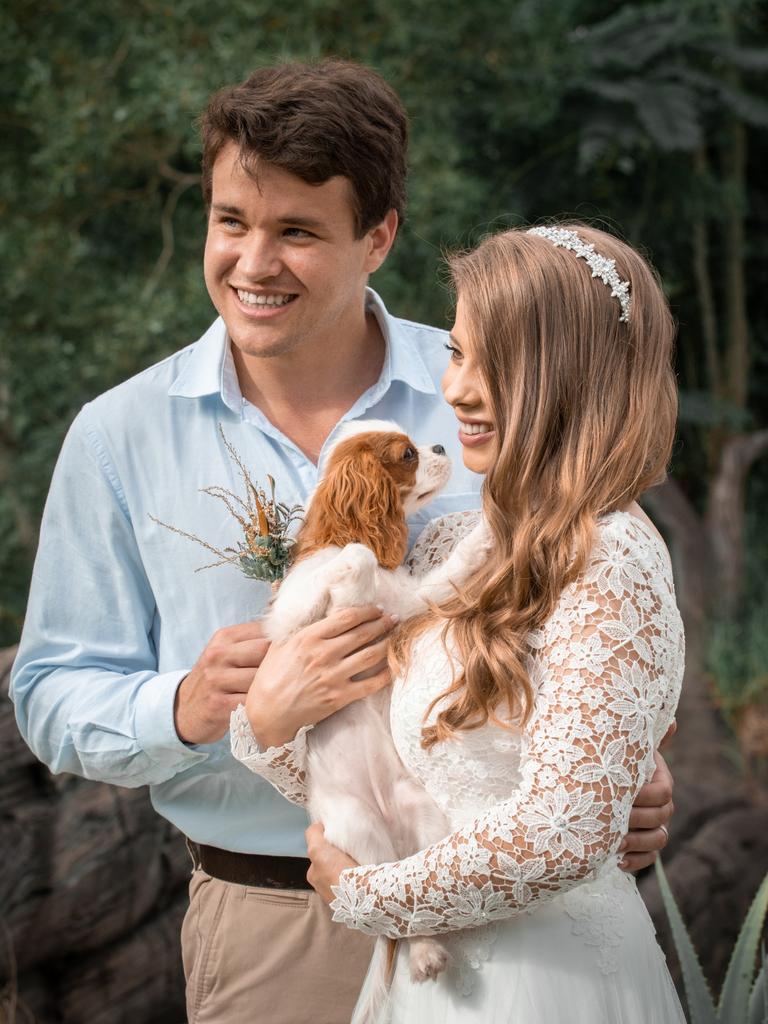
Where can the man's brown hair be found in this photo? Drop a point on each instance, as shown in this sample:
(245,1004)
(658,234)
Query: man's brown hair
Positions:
(316,121)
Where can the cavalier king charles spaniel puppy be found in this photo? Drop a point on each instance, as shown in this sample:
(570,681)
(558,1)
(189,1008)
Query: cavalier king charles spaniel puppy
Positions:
(349,552)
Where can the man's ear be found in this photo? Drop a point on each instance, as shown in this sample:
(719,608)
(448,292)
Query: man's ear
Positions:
(379,240)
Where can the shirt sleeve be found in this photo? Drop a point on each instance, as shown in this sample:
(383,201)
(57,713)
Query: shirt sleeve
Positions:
(601,670)
(285,767)
(88,696)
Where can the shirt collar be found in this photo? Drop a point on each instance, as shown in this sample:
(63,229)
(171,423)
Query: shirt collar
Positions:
(210,368)
(403,360)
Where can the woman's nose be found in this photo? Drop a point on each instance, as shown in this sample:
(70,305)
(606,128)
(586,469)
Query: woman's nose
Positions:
(438,449)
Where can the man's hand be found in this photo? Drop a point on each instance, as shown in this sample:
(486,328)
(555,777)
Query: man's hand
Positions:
(307,677)
(218,682)
(648,819)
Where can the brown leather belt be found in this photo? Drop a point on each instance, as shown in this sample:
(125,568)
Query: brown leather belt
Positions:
(256,869)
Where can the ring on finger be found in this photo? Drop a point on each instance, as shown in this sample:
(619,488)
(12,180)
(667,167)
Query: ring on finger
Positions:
(665,830)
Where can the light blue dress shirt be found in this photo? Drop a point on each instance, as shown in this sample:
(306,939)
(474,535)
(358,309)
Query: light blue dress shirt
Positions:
(118,615)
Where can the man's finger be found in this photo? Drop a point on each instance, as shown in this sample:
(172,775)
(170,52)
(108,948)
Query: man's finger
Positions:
(237,681)
(669,733)
(637,861)
(646,840)
(658,791)
(253,630)
(248,653)
(650,817)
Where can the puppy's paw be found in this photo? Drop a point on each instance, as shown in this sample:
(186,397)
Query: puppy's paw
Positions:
(357,556)
(428,958)
(352,576)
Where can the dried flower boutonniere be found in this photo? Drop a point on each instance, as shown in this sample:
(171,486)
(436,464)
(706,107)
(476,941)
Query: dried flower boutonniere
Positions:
(264,553)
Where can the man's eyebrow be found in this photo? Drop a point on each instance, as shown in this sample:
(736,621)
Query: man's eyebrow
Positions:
(224,208)
(296,220)
(300,218)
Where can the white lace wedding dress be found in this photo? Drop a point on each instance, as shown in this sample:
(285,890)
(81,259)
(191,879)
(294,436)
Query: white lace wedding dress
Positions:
(544,927)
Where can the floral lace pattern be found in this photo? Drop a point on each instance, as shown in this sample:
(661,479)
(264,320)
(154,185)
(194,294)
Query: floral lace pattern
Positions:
(283,766)
(607,668)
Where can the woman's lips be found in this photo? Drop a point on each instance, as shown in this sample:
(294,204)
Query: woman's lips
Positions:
(477,437)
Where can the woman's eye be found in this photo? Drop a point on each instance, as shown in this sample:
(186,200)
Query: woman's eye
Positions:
(455,352)
(409,454)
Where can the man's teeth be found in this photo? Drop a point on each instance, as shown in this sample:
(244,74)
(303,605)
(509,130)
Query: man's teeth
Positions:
(264,300)
(476,428)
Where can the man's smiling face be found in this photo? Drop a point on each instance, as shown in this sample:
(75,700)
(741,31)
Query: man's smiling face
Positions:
(282,264)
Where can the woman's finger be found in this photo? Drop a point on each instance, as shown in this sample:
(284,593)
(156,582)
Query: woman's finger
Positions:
(371,657)
(314,834)
(365,687)
(340,622)
(364,635)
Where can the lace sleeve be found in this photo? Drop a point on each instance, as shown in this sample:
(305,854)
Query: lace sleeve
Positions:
(438,539)
(607,668)
(283,767)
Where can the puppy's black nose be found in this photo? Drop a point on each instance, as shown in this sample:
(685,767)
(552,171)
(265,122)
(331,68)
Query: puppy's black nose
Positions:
(438,449)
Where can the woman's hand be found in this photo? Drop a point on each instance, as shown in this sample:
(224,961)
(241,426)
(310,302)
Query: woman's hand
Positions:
(327,862)
(307,677)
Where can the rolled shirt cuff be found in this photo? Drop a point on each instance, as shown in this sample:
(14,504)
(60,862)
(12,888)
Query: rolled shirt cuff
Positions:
(155,729)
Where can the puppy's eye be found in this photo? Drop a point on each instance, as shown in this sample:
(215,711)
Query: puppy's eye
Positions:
(409,454)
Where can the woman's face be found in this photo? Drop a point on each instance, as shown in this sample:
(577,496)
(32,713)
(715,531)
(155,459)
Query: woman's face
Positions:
(464,390)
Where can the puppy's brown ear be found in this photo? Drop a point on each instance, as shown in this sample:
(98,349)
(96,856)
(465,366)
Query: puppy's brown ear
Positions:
(357,502)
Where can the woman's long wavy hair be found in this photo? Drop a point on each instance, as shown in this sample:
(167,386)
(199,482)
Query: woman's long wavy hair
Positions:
(584,407)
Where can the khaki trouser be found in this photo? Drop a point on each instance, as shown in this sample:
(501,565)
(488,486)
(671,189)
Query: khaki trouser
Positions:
(267,956)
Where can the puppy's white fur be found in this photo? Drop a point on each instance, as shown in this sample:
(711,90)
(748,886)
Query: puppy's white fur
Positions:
(359,789)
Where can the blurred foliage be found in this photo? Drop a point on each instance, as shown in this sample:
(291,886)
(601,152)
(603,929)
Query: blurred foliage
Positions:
(738,653)
(521,110)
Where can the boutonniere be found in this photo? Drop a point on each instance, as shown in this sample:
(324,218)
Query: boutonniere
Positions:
(264,550)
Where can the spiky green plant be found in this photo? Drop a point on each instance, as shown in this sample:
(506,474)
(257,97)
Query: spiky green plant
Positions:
(742,999)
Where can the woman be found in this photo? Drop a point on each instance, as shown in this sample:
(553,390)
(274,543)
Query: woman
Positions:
(530,705)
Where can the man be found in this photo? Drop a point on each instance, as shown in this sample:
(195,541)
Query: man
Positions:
(130,664)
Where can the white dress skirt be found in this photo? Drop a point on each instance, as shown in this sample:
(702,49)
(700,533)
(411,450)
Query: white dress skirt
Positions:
(592,959)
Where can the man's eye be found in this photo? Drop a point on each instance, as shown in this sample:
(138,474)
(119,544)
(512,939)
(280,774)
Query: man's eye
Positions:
(409,454)
(297,233)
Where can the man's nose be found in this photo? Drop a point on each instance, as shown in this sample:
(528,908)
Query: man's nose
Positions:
(438,449)
(259,258)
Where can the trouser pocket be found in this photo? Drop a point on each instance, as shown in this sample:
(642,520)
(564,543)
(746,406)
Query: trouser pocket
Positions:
(200,936)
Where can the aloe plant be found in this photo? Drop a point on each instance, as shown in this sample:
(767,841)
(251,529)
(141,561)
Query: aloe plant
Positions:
(744,998)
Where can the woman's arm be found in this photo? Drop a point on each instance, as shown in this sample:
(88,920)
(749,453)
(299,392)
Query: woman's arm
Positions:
(284,766)
(604,667)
